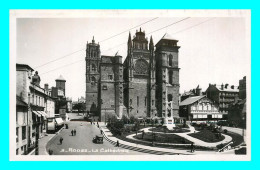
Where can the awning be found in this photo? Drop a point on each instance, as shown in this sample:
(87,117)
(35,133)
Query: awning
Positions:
(38,114)
(59,121)
(43,114)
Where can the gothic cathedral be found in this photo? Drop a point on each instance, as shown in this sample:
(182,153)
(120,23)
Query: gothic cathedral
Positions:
(145,85)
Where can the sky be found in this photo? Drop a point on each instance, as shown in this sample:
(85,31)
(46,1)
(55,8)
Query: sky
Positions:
(213,50)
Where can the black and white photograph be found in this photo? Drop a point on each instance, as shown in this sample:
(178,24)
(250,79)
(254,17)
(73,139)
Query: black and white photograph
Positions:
(130,85)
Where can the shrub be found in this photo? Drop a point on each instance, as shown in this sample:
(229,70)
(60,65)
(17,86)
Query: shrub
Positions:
(225,131)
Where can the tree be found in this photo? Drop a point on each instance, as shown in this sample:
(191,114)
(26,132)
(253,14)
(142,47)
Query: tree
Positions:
(125,119)
(79,107)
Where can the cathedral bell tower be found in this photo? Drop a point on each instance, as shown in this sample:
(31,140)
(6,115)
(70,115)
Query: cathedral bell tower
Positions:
(92,77)
(167,79)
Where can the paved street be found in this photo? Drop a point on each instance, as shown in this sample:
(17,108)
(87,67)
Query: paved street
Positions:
(82,144)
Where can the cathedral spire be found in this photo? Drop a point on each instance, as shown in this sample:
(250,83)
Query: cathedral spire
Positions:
(93,40)
(129,41)
(151,46)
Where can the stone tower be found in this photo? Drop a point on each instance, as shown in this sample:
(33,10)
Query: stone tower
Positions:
(137,72)
(60,85)
(92,77)
(167,79)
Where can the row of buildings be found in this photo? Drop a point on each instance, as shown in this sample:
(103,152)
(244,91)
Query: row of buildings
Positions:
(215,103)
(35,107)
(146,84)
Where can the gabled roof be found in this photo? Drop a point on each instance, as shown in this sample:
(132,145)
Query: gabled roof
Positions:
(191,100)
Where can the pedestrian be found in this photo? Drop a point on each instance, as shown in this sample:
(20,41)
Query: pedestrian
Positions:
(61,139)
(75,132)
(101,132)
(192,147)
(91,122)
(72,132)
(117,143)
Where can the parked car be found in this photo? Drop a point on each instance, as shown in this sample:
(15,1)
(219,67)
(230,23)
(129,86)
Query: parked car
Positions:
(98,139)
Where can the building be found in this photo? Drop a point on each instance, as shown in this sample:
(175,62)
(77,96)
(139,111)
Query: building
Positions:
(167,78)
(49,102)
(111,86)
(21,126)
(242,88)
(145,85)
(222,95)
(29,92)
(194,92)
(58,93)
(139,77)
(199,108)
(92,77)
(69,104)
(81,100)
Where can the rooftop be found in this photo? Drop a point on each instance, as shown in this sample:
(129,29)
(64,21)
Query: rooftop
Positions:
(191,100)
(227,88)
(19,102)
(168,37)
(24,65)
(60,78)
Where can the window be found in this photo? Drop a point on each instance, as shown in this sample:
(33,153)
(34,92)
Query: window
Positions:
(93,80)
(23,132)
(137,100)
(110,77)
(170,77)
(104,87)
(170,60)
(93,67)
(169,97)
(152,102)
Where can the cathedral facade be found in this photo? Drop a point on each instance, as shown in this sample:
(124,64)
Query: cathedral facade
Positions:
(145,85)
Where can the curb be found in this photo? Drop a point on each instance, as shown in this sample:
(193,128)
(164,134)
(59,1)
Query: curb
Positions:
(141,149)
(51,139)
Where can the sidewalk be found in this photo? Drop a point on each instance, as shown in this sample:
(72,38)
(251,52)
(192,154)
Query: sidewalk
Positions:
(43,142)
(148,149)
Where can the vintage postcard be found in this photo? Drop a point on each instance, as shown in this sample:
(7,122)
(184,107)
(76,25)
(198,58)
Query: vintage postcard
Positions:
(167,85)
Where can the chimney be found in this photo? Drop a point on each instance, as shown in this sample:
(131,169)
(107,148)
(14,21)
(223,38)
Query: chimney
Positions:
(222,86)
(46,87)
(232,87)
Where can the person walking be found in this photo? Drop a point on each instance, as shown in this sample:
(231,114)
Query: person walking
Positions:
(72,132)
(75,132)
(61,139)
(192,147)
(117,143)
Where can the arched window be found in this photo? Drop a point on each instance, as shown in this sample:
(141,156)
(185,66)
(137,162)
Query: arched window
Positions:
(93,67)
(93,80)
(170,60)
(169,97)
(170,77)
